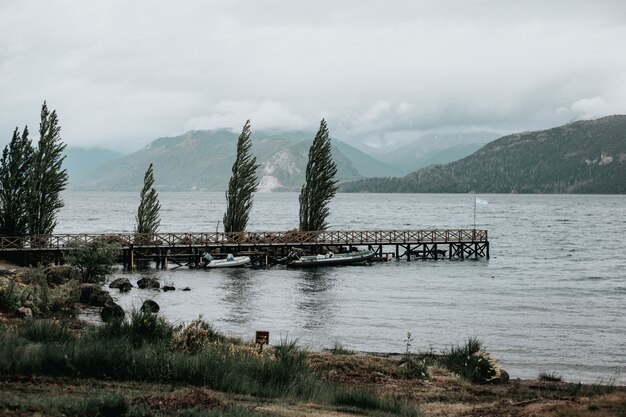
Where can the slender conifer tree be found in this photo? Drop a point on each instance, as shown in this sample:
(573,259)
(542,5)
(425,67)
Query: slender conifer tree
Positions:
(47,179)
(242,185)
(320,185)
(14,178)
(148,218)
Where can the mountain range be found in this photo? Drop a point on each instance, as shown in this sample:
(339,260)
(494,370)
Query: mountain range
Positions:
(202,160)
(579,157)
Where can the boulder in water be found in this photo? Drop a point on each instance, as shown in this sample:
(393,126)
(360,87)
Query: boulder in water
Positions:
(168,288)
(148,282)
(120,282)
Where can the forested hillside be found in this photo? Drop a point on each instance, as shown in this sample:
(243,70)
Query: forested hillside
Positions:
(580,157)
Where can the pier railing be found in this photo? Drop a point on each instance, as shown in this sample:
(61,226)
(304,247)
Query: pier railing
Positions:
(250,239)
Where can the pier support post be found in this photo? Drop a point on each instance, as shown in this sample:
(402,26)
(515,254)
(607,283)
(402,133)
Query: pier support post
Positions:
(131,259)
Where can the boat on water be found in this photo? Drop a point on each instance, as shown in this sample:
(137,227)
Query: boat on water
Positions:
(330,259)
(229,262)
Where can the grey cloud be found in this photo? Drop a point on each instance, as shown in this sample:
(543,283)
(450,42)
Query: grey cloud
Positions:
(122,73)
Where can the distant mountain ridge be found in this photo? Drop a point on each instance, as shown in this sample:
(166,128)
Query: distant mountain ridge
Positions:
(579,157)
(202,160)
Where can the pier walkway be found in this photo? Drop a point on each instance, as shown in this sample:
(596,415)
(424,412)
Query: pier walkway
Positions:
(180,247)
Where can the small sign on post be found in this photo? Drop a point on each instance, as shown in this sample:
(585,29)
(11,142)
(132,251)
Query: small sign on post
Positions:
(262,337)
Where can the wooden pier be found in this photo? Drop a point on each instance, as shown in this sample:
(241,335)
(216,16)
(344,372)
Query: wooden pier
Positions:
(186,248)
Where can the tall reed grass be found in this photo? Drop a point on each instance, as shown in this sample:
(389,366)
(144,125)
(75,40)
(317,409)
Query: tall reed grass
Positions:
(144,348)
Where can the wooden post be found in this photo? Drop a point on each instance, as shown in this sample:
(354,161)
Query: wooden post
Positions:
(131,259)
(487,243)
(397,252)
(436,254)
(408,252)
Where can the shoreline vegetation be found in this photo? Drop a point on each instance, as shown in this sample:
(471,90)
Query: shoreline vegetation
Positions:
(138,364)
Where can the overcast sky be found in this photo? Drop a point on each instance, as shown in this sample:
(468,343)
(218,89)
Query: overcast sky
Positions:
(122,73)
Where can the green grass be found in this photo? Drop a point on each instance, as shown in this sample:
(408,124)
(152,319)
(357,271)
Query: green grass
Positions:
(45,331)
(142,348)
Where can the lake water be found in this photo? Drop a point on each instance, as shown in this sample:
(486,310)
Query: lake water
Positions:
(552,296)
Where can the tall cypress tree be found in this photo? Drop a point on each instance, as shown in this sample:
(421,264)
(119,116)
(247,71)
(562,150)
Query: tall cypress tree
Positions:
(47,179)
(148,219)
(242,185)
(320,185)
(14,178)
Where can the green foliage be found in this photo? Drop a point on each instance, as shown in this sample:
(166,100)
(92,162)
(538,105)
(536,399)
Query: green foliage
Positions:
(320,185)
(242,185)
(31,290)
(10,295)
(47,179)
(580,157)
(94,260)
(14,180)
(148,219)
(471,362)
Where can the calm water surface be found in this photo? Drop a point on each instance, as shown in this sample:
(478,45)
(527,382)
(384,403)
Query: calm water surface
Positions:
(552,296)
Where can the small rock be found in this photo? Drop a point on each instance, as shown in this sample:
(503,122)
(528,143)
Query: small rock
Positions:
(186,289)
(111,310)
(24,312)
(504,377)
(120,282)
(125,287)
(148,282)
(168,288)
(150,306)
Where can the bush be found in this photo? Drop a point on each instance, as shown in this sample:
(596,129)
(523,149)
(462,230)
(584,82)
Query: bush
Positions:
(195,337)
(9,295)
(472,362)
(94,260)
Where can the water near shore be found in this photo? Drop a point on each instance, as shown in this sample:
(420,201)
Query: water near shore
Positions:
(551,297)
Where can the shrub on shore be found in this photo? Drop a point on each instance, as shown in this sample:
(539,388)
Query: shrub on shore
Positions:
(471,362)
(31,289)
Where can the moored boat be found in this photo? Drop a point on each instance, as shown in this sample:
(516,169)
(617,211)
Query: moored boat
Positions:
(330,259)
(229,262)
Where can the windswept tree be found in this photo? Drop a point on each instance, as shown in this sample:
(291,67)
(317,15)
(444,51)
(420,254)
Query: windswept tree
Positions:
(242,185)
(47,179)
(320,185)
(14,177)
(148,218)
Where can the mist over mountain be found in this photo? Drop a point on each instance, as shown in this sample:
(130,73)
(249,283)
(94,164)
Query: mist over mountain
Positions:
(430,149)
(202,160)
(79,161)
(579,157)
